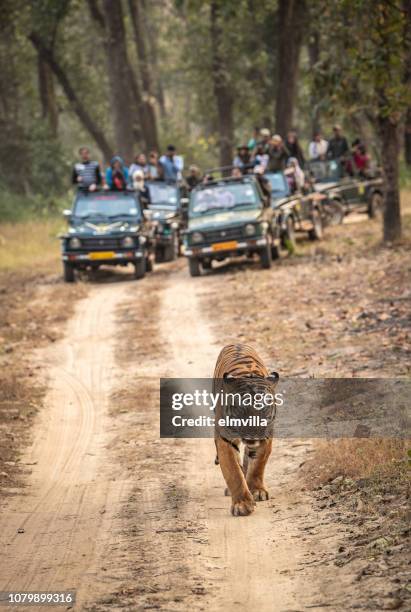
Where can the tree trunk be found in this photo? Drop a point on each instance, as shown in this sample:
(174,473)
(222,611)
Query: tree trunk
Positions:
(122,86)
(69,91)
(390,147)
(290,26)
(153,55)
(407,79)
(100,20)
(148,97)
(313,58)
(49,108)
(407,137)
(222,89)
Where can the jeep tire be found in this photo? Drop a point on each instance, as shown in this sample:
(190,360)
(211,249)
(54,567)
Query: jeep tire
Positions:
(265,256)
(139,268)
(68,272)
(316,233)
(194,266)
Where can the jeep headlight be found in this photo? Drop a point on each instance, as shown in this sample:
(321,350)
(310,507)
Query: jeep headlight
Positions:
(127,242)
(74,243)
(197,237)
(249,229)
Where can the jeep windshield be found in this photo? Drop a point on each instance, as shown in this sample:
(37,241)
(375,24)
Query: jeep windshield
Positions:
(109,205)
(223,197)
(326,171)
(163,195)
(279,185)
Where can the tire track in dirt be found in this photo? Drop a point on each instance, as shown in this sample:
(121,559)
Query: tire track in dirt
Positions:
(254,561)
(51,535)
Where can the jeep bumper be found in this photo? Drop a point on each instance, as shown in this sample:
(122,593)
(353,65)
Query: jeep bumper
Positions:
(103,257)
(226,248)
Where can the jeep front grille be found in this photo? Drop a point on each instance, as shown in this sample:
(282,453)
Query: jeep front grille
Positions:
(100,243)
(232,233)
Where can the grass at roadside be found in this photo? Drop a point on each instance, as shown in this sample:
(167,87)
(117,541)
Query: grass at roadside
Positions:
(34,304)
(30,245)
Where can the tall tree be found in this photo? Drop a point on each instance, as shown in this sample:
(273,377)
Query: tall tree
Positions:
(152,47)
(119,73)
(136,12)
(49,109)
(86,119)
(407,123)
(366,72)
(222,89)
(291,21)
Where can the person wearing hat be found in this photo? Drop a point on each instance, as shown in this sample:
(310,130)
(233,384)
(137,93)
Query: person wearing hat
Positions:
(277,155)
(171,165)
(338,145)
(243,159)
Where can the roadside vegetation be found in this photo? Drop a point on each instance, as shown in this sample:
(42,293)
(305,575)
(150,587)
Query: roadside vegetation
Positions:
(34,304)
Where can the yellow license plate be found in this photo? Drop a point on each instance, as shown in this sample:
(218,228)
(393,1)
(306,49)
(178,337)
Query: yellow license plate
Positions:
(223,246)
(102,255)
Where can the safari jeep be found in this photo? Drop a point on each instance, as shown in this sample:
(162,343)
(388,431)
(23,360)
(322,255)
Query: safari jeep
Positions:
(226,218)
(166,204)
(298,212)
(347,192)
(107,228)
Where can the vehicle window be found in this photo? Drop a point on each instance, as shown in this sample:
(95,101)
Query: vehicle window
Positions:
(324,171)
(279,184)
(223,197)
(162,194)
(107,205)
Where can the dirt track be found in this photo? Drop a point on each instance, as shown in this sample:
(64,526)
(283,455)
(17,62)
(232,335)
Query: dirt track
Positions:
(159,534)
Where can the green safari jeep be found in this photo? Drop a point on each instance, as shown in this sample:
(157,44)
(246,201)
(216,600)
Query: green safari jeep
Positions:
(229,217)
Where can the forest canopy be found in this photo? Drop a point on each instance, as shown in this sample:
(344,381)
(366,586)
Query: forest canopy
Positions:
(132,75)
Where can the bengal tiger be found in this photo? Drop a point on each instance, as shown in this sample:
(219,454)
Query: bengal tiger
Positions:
(240,369)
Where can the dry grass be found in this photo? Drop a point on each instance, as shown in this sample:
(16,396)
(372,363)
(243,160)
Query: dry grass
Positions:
(371,458)
(34,304)
(30,245)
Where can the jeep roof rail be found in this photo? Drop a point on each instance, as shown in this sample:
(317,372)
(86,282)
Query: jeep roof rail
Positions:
(224,169)
(247,178)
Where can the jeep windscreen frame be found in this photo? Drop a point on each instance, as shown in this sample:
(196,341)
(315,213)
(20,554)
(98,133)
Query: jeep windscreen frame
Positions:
(330,171)
(279,184)
(107,205)
(163,195)
(224,197)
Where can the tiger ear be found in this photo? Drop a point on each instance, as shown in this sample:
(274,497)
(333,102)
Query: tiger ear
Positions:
(274,377)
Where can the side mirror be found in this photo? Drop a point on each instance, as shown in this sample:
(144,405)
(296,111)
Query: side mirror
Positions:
(148,214)
(67,213)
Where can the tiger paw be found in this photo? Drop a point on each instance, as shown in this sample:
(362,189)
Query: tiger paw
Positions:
(242,507)
(259,493)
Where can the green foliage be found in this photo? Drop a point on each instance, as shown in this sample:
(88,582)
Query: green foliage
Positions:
(15,207)
(364,48)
